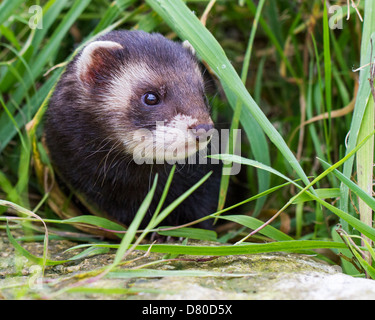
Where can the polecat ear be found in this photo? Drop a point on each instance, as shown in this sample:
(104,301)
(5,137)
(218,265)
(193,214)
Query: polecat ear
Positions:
(94,58)
(186,44)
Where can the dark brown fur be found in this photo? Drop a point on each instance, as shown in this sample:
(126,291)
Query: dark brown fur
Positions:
(83,140)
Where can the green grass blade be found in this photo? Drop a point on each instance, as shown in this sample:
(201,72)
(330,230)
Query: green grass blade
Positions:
(257,139)
(262,194)
(327,67)
(363,96)
(163,196)
(30,256)
(370,270)
(10,36)
(7,8)
(44,56)
(58,35)
(365,163)
(188,27)
(354,222)
(191,233)
(253,223)
(253,163)
(96,221)
(324,193)
(112,13)
(369,200)
(7,129)
(292,245)
(181,198)
(130,235)
(51,11)
(270,34)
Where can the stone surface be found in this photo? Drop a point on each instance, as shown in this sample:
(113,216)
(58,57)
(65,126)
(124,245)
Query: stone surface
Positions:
(281,276)
(277,276)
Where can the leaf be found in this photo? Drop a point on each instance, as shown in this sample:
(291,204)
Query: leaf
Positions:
(130,235)
(30,256)
(292,245)
(7,7)
(96,221)
(191,233)
(7,129)
(255,135)
(354,222)
(249,162)
(43,57)
(324,193)
(370,201)
(363,96)
(183,21)
(253,223)
(181,198)
(89,252)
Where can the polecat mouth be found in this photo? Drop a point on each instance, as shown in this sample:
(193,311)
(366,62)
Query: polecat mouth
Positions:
(165,145)
(180,150)
(175,141)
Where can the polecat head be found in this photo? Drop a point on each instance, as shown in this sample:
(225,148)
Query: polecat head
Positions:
(149,92)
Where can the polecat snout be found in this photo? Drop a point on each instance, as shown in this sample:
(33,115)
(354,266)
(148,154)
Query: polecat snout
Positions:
(128,106)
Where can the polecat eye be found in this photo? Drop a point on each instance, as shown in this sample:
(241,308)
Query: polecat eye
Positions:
(151,98)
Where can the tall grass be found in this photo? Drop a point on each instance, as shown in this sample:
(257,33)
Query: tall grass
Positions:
(288,84)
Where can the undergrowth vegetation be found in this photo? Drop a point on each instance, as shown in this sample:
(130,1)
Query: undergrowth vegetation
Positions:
(295,76)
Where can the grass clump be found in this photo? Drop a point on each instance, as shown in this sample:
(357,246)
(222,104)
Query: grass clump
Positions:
(287,81)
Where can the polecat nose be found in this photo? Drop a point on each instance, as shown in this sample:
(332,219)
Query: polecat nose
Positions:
(201,131)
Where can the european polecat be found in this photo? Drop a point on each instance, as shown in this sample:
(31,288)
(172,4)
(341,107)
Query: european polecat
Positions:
(128,106)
